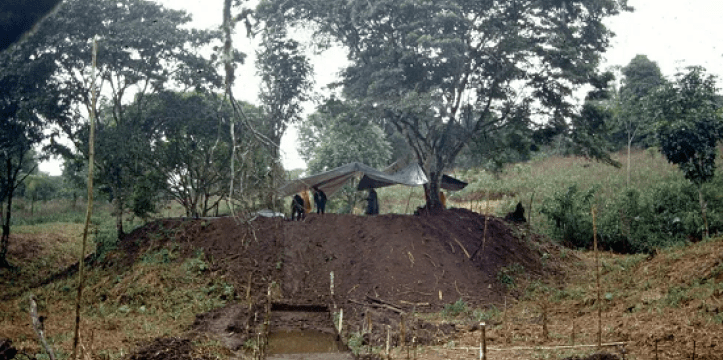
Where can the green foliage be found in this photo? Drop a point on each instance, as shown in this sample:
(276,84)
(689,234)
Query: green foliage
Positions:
(633,125)
(458,69)
(689,123)
(635,221)
(507,274)
(486,315)
(455,309)
(337,135)
(355,343)
(570,214)
(106,240)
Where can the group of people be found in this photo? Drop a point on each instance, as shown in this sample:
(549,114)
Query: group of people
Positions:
(299,203)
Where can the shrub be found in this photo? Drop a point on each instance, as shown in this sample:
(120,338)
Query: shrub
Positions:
(452,310)
(635,221)
(569,213)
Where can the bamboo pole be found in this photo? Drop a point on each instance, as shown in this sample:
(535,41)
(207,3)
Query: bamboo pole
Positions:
(597,278)
(551,347)
(89,210)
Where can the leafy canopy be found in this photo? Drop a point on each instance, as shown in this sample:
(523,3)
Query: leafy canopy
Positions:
(689,122)
(419,63)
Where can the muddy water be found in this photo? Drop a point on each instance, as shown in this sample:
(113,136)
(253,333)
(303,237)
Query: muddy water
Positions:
(303,332)
(298,342)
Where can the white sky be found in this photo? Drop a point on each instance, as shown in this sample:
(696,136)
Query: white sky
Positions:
(673,33)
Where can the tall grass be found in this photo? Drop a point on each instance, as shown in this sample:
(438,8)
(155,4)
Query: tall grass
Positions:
(545,175)
(656,209)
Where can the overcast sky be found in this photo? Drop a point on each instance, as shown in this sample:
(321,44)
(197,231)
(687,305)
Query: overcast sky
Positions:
(673,33)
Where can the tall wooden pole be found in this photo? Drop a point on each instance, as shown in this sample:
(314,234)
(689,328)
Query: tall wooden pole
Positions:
(597,279)
(89,211)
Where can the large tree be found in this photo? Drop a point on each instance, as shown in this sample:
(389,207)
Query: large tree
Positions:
(420,62)
(26,109)
(689,125)
(192,148)
(144,49)
(285,82)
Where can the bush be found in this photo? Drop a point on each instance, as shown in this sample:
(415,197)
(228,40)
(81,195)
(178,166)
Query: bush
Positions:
(569,213)
(635,221)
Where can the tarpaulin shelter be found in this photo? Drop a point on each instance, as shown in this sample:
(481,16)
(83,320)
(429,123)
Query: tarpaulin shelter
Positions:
(331,181)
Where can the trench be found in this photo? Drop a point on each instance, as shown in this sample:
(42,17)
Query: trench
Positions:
(303,332)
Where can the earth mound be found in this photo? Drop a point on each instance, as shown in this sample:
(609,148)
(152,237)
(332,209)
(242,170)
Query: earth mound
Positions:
(383,267)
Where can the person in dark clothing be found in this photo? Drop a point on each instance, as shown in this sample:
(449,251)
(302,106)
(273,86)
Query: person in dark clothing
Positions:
(319,200)
(297,207)
(372,203)
(518,216)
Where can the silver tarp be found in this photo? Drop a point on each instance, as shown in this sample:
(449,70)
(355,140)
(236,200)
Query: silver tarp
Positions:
(331,181)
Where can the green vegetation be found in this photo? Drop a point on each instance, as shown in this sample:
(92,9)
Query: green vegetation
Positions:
(660,208)
(158,296)
(455,309)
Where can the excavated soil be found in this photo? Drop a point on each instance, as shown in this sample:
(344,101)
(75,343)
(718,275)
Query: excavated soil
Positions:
(383,267)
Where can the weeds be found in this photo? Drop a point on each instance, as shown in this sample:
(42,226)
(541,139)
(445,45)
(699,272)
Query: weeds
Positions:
(455,309)
(507,274)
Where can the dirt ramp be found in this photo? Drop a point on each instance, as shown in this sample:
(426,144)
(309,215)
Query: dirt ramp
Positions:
(422,260)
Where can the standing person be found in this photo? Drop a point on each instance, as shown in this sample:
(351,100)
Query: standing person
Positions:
(307,201)
(319,200)
(297,208)
(372,203)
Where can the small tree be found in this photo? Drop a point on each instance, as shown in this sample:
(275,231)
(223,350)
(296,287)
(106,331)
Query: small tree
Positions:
(689,125)
(335,135)
(641,77)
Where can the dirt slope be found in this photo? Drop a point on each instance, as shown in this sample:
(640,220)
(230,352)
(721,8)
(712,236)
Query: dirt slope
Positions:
(382,265)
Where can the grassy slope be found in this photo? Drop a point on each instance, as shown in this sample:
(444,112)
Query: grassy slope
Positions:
(159,296)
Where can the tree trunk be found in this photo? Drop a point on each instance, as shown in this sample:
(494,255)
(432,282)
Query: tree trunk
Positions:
(703,213)
(630,142)
(5,240)
(119,216)
(431,191)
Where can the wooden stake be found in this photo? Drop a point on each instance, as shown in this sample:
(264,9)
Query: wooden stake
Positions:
(483,341)
(331,287)
(39,327)
(402,333)
(389,331)
(656,349)
(693,349)
(248,292)
(572,335)
(369,330)
(597,278)
(341,320)
(331,283)
(544,321)
(89,210)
